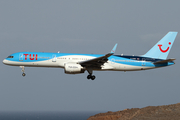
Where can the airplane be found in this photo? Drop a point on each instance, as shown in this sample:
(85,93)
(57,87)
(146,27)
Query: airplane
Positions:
(73,63)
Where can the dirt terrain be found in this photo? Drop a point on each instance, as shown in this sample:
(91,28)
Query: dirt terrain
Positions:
(165,112)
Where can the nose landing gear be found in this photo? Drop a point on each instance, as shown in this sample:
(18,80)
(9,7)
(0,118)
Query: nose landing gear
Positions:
(23,70)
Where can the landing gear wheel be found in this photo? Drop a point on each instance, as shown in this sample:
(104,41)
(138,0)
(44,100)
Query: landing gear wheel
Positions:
(23,74)
(89,77)
(93,77)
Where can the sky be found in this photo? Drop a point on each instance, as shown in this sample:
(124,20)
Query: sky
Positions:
(87,26)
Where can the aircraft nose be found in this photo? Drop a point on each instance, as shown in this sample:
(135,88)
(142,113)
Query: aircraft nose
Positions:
(4,61)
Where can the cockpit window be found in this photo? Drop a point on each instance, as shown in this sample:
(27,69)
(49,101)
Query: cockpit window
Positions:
(10,56)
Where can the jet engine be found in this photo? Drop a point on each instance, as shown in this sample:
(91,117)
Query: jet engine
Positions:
(73,68)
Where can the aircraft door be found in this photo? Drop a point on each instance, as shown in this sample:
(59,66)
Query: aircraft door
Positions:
(143,62)
(21,57)
(54,58)
(112,61)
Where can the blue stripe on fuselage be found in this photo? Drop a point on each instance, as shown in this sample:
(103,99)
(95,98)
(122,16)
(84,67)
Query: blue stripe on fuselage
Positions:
(137,61)
(128,61)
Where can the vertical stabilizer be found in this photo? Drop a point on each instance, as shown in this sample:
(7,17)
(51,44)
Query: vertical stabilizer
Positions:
(161,49)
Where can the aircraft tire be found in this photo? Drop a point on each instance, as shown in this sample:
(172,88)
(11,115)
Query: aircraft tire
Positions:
(23,74)
(89,77)
(93,77)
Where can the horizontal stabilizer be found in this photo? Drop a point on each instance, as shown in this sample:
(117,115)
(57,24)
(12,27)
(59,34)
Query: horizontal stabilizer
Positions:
(165,61)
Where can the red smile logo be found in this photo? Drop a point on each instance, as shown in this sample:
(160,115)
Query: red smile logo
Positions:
(162,49)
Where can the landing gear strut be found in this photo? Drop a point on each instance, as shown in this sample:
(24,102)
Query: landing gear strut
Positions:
(23,70)
(90,76)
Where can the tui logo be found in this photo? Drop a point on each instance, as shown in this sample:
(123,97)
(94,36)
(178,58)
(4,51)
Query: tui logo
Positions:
(30,56)
(164,51)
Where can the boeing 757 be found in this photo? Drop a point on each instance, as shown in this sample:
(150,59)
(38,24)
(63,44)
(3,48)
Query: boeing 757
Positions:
(73,63)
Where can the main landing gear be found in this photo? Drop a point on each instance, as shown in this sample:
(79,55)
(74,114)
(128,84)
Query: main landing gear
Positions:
(23,70)
(90,76)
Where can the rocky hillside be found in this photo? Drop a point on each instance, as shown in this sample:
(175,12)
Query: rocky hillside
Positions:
(165,112)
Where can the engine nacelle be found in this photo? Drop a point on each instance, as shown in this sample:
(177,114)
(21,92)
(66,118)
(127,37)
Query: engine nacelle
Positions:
(73,68)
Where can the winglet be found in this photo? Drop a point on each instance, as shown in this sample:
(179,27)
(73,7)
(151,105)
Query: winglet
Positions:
(114,49)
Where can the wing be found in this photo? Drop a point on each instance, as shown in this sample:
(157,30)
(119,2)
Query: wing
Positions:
(97,62)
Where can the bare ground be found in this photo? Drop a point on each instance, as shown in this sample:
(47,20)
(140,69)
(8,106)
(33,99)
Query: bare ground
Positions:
(165,112)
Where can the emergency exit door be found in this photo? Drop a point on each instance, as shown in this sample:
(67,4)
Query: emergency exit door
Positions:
(54,58)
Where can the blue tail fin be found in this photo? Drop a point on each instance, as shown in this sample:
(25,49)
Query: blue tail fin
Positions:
(162,48)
